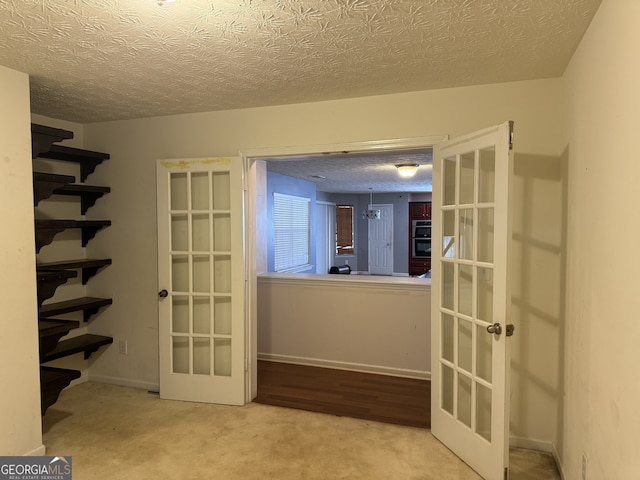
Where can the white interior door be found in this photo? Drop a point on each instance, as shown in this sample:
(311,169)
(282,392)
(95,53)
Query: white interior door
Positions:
(381,241)
(201,280)
(325,236)
(471,298)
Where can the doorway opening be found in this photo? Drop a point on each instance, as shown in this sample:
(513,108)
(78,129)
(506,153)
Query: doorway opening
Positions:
(256,217)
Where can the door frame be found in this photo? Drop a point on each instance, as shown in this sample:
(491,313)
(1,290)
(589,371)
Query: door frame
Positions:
(254,171)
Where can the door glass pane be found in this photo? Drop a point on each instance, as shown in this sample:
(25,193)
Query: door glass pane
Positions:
(465,331)
(447,389)
(484,353)
(467,177)
(180,350)
(201,274)
(178,187)
(447,285)
(222,274)
(201,315)
(179,274)
(221,191)
(179,233)
(446,328)
(200,232)
(465,289)
(464,399)
(485,294)
(483,411)
(201,356)
(449,181)
(449,234)
(222,360)
(465,231)
(200,191)
(222,316)
(179,314)
(485,235)
(487,175)
(221,233)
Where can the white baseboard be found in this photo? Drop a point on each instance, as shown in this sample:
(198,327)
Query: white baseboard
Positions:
(36,452)
(530,444)
(354,367)
(125,382)
(556,457)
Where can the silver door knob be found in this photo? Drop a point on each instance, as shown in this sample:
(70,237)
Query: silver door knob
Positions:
(496,328)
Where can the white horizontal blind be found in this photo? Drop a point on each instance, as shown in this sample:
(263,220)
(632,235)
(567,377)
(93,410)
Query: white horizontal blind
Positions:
(291,226)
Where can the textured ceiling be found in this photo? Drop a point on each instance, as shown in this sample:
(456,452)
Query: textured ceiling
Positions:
(358,172)
(95,60)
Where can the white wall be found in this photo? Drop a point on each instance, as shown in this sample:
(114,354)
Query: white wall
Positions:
(20,424)
(602,385)
(349,322)
(535,106)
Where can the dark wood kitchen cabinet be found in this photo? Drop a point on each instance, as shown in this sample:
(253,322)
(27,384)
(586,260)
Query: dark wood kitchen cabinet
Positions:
(419,211)
(418,265)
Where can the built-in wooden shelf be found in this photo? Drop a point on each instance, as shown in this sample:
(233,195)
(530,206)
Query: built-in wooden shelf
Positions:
(42,138)
(49,281)
(87,305)
(52,382)
(87,159)
(47,184)
(50,331)
(89,266)
(51,275)
(86,344)
(44,184)
(47,229)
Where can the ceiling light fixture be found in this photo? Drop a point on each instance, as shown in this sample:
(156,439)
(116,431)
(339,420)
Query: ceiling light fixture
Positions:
(407,170)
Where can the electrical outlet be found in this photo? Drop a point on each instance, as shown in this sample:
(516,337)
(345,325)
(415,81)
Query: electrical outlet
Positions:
(584,467)
(123,347)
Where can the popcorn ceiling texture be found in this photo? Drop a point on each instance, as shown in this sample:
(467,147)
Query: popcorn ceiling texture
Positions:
(96,60)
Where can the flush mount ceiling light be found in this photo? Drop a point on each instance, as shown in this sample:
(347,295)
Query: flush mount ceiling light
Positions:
(407,170)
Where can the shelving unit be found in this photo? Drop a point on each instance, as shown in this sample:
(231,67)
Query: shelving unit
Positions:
(51,275)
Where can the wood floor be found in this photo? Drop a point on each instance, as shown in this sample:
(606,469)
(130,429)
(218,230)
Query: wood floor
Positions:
(402,401)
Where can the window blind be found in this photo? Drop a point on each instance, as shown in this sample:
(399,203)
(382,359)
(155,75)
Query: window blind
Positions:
(291,232)
(344,230)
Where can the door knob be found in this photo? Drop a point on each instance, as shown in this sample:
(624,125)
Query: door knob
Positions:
(163,293)
(495,328)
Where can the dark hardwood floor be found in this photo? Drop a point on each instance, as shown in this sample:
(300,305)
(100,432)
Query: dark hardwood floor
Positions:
(382,398)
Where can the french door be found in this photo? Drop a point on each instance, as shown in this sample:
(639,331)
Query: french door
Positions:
(471,298)
(201,280)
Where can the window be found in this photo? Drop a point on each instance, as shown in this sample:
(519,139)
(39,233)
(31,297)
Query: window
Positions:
(291,228)
(344,229)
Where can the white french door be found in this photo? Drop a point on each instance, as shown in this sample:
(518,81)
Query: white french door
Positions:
(471,298)
(381,241)
(201,280)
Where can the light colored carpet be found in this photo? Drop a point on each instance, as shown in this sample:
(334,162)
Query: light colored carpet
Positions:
(126,433)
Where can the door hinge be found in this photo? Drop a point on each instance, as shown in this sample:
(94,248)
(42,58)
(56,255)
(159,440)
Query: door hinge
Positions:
(511,135)
(506,473)
(246,364)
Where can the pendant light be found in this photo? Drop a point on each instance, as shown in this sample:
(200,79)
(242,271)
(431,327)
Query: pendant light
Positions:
(371,214)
